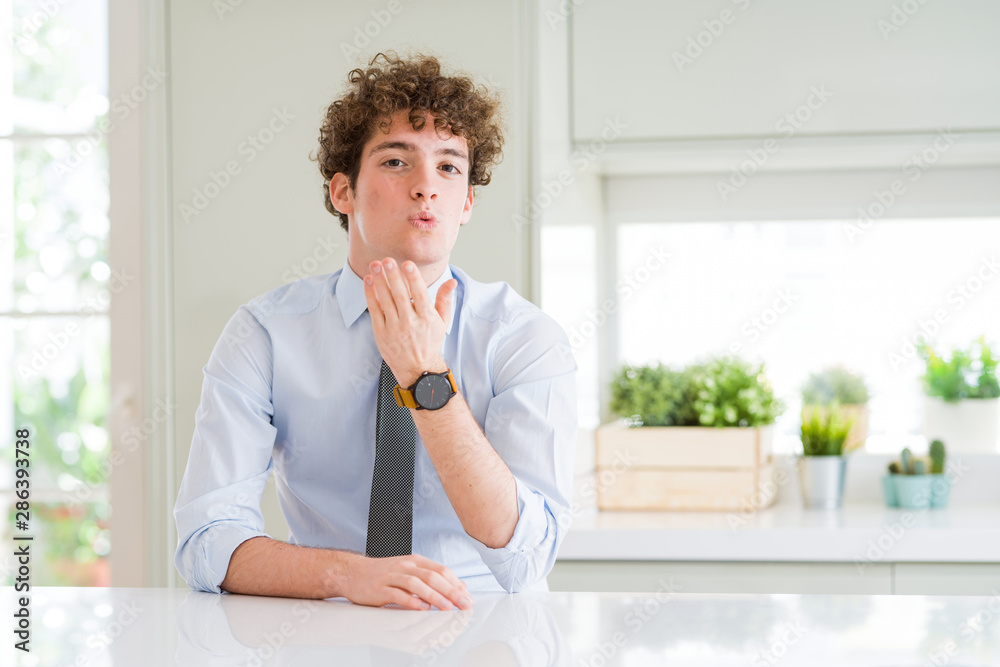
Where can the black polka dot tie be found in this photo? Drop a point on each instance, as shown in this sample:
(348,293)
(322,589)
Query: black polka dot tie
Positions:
(390,516)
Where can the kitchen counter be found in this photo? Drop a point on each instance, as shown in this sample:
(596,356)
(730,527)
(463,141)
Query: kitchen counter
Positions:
(104,626)
(959,534)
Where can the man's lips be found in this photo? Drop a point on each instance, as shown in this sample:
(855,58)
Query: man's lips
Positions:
(423,221)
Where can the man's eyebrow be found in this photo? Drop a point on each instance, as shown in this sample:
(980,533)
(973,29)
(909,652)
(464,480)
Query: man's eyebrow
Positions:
(407,146)
(454,152)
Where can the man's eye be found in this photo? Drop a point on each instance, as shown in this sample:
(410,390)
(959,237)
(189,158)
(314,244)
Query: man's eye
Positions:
(451,166)
(393,160)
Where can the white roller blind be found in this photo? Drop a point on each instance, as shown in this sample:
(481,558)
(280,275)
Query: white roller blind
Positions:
(938,192)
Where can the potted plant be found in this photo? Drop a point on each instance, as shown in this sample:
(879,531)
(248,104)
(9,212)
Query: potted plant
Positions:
(839,385)
(917,483)
(692,438)
(962,397)
(822,466)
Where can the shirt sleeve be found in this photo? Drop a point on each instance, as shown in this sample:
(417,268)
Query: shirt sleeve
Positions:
(532,424)
(218,505)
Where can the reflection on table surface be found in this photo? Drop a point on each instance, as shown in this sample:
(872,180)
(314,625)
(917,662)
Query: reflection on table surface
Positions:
(180,627)
(507,630)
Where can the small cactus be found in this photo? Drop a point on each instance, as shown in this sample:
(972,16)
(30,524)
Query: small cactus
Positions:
(907,459)
(919,467)
(937,457)
(894,468)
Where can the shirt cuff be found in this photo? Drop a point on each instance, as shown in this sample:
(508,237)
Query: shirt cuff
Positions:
(532,541)
(216,546)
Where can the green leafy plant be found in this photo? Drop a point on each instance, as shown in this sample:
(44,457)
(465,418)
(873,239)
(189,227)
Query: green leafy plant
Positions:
(734,392)
(824,431)
(721,392)
(964,373)
(835,384)
(654,396)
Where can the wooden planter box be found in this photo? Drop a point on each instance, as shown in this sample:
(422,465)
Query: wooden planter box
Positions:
(684,468)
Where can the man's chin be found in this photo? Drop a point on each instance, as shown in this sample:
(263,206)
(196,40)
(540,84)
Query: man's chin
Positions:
(422,254)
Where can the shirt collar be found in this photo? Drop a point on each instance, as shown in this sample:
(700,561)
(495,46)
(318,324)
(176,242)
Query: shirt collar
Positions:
(350,291)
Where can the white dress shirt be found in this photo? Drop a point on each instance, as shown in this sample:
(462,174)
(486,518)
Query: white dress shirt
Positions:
(292,388)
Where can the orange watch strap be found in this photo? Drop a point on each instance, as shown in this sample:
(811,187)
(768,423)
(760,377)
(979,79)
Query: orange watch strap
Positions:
(404,397)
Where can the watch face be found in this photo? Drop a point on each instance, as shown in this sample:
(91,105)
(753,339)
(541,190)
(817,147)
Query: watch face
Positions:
(432,392)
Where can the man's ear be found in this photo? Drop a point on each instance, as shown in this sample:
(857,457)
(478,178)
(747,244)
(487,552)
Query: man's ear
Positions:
(467,210)
(341,194)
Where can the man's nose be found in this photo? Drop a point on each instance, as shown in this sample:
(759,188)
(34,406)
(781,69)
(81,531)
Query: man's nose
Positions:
(424,185)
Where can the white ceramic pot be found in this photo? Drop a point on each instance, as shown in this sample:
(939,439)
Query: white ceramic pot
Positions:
(970,425)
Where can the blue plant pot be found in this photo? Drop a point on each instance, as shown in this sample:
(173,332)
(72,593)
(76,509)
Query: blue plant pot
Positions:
(913,492)
(889,491)
(940,489)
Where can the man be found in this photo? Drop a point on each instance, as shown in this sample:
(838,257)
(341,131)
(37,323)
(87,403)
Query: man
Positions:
(421,425)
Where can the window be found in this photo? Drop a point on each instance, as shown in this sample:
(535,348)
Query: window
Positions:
(798,295)
(54,280)
(568,261)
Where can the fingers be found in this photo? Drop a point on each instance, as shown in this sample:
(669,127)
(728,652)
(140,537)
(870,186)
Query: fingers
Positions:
(412,582)
(374,306)
(405,599)
(442,570)
(383,293)
(457,595)
(402,286)
(416,286)
(443,304)
(443,580)
(431,582)
(397,289)
(416,584)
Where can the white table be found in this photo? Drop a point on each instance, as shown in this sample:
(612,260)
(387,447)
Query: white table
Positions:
(80,626)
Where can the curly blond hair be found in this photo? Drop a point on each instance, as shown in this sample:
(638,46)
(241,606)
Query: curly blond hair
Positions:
(416,84)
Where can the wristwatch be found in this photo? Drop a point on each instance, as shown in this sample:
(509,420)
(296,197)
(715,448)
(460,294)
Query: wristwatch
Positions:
(431,391)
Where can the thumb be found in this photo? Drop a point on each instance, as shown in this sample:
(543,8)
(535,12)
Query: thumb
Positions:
(444,296)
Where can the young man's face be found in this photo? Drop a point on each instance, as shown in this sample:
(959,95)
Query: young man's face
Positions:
(406,176)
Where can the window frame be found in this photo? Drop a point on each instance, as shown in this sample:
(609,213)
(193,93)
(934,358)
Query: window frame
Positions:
(141,526)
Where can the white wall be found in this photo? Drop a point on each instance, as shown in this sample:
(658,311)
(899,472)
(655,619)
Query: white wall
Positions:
(228,73)
(730,68)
